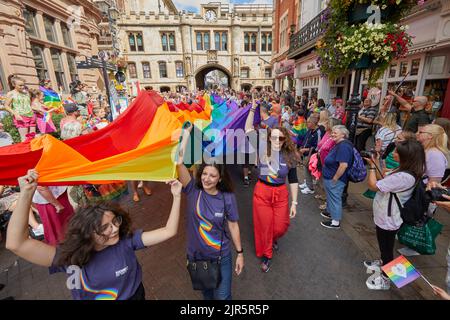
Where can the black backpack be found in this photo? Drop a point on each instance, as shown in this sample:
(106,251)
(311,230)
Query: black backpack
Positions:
(414,210)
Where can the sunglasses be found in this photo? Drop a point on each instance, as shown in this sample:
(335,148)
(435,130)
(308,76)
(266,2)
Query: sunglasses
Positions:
(279,138)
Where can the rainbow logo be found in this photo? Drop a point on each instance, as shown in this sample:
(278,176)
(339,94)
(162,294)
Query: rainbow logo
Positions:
(401,271)
(104,294)
(204,229)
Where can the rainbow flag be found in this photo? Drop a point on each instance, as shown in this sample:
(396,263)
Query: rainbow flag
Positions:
(138,145)
(299,128)
(52,100)
(401,271)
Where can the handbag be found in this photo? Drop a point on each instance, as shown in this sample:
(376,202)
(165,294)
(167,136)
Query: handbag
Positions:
(205,274)
(421,239)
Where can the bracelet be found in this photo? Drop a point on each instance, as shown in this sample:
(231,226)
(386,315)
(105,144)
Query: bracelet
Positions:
(370,169)
(294,202)
(240,251)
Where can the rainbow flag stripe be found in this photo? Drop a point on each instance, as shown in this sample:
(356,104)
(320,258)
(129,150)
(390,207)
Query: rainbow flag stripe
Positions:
(104,294)
(204,229)
(401,271)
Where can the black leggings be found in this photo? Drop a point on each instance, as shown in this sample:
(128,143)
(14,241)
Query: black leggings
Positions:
(139,294)
(386,240)
(361,139)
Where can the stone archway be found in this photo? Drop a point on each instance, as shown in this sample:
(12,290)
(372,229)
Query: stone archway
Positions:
(200,75)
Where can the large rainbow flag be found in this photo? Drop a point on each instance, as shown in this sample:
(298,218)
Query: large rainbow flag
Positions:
(138,145)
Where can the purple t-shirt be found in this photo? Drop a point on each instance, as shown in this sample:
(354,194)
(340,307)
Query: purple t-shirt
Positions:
(271,122)
(274,172)
(113,273)
(205,224)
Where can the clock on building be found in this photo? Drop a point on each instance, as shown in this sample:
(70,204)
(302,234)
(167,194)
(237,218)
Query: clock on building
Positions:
(210,15)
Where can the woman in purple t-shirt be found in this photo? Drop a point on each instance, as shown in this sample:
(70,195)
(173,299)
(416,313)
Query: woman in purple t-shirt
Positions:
(210,203)
(98,252)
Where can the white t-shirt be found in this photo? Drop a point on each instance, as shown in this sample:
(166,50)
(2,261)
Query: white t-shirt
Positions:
(55,190)
(386,136)
(395,182)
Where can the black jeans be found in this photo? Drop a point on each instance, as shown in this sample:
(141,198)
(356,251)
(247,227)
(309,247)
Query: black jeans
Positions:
(361,139)
(386,240)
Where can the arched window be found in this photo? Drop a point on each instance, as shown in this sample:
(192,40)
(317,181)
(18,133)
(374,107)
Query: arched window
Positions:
(146,70)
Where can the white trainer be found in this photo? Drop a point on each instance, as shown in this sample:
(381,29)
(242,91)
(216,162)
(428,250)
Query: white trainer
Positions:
(307,191)
(378,282)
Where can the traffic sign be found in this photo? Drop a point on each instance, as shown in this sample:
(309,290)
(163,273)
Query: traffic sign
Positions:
(95,63)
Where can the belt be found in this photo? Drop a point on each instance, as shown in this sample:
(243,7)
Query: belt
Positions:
(271,184)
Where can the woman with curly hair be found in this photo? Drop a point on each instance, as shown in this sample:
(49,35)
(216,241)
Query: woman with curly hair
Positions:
(98,252)
(271,211)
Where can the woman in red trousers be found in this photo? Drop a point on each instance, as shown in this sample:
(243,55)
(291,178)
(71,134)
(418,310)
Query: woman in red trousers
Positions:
(277,160)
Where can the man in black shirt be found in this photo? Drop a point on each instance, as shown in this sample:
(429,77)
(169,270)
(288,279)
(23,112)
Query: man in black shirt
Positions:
(418,116)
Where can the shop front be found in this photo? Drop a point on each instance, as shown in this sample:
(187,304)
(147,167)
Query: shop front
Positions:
(307,77)
(284,75)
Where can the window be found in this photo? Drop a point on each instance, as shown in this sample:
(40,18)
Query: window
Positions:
(136,42)
(59,71)
(203,40)
(72,67)
(30,22)
(245,73)
(250,42)
(437,65)
(162,69)
(172,41)
(220,40)
(403,68)
(132,70)
(246,42)
(140,42)
(39,62)
(132,42)
(179,69)
(268,72)
(168,41)
(49,25)
(253,42)
(146,70)
(415,64)
(66,35)
(266,42)
(283,31)
(393,70)
(206,41)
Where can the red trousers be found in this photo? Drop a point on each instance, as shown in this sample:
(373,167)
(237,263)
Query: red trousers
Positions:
(270,216)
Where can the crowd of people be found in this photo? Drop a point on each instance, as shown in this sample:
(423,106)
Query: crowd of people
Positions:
(301,132)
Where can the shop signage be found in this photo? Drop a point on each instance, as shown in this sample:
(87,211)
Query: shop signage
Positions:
(285,68)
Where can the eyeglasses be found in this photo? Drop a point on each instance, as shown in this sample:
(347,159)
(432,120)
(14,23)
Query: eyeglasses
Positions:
(420,132)
(106,229)
(279,138)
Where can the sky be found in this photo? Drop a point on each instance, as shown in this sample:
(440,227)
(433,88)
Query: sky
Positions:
(194,5)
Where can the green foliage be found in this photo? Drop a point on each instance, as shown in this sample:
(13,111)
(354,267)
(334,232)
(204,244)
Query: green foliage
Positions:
(343,45)
(8,126)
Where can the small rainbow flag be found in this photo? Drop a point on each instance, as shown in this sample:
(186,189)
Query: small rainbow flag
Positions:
(299,128)
(401,271)
(52,99)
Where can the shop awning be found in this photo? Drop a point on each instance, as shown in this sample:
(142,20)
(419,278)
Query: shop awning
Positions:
(284,68)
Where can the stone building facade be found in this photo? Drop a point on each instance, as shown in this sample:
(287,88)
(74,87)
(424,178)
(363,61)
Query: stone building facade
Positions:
(172,50)
(44,39)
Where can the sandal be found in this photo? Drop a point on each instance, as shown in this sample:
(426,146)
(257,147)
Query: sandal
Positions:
(323,207)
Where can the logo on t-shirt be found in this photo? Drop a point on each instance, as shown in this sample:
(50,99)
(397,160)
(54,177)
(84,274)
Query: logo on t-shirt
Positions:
(218,214)
(121,272)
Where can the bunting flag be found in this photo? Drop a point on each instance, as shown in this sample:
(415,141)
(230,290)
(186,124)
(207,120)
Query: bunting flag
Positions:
(52,100)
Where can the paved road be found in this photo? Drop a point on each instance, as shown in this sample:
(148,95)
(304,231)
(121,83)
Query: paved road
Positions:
(312,263)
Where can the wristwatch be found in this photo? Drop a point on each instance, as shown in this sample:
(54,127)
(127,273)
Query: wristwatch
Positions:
(241,251)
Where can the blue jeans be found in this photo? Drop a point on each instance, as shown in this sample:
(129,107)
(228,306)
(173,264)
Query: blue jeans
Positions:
(223,292)
(334,198)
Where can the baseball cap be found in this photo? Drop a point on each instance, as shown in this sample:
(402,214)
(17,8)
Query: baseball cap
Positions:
(70,107)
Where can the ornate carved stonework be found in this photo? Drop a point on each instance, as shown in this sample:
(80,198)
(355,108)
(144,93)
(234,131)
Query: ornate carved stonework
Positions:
(211,56)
